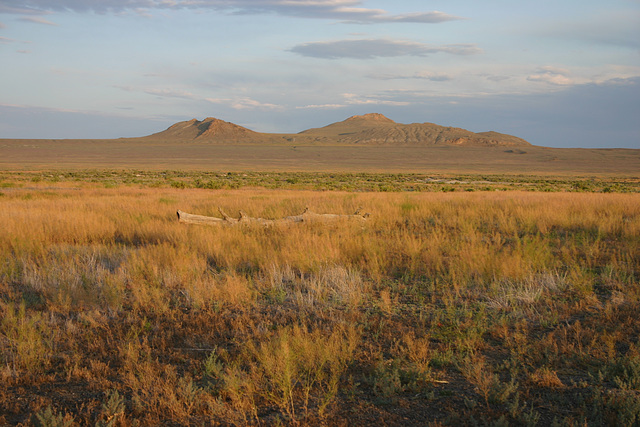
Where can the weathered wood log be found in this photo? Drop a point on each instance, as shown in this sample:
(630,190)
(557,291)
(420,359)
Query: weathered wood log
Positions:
(188,218)
(307,217)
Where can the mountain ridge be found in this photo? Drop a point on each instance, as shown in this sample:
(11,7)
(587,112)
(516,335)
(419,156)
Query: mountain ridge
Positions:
(367,129)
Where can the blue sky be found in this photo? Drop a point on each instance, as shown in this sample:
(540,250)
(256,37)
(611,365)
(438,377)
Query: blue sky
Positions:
(559,73)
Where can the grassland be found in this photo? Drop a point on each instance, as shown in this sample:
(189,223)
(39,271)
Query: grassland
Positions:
(463,300)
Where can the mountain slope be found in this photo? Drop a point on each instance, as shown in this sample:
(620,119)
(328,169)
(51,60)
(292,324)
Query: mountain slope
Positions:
(378,129)
(207,130)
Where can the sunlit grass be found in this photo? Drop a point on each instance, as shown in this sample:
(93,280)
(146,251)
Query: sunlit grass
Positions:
(470,302)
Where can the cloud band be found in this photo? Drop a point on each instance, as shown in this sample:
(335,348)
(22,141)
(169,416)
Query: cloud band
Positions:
(345,10)
(373,48)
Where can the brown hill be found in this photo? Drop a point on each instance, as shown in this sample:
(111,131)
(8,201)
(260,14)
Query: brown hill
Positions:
(369,129)
(378,129)
(207,130)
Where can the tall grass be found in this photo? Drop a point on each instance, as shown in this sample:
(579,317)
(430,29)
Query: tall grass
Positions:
(473,302)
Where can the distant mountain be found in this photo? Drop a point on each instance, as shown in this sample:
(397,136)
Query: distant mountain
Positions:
(208,130)
(378,129)
(366,129)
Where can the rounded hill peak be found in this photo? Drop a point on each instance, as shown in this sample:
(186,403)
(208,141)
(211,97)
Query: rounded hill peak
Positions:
(374,117)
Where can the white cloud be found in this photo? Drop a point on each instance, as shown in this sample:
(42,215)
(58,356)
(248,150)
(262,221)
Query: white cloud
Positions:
(353,99)
(252,104)
(553,76)
(372,48)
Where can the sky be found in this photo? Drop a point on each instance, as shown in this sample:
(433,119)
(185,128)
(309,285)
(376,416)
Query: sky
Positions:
(561,73)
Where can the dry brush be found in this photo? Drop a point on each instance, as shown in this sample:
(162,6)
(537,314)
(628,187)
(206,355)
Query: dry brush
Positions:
(447,307)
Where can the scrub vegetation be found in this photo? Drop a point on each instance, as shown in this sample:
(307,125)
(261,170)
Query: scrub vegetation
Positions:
(463,307)
(323,181)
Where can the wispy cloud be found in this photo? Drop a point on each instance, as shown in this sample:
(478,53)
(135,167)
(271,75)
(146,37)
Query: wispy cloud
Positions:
(434,77)
(252,104)
(421,17)
(2,26)
(386,98)
(372,48)
(170,93)
(237,103)
(244,104)
(38,20)
(552,75)
(367,16)
(343,10)
(615,28)
(16,7)
(321,107)
(354,99)
(497,78)
(7,40)
(217,100)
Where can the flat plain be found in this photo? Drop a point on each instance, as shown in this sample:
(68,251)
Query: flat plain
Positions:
(148,154)
(487,287)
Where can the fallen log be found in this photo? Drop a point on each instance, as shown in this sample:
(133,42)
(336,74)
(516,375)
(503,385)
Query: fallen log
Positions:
(307,217)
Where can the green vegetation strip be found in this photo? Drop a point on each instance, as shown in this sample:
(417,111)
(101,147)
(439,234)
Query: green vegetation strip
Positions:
(369,182)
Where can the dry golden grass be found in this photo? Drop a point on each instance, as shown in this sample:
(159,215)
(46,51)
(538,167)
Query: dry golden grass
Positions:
(444,308)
